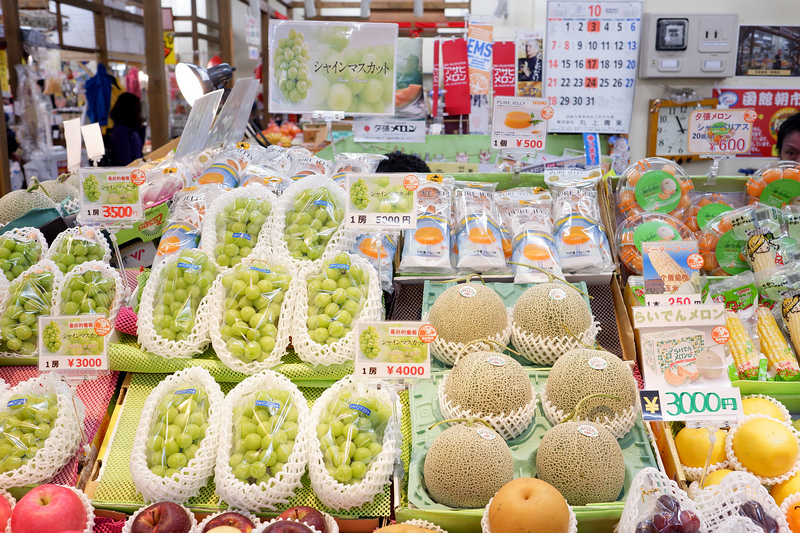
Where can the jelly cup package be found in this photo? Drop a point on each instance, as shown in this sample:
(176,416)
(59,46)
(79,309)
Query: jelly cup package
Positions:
(654,184)
(354,163)
(647,227)
(426,249)
(775,184)
(379,249)
(703,208)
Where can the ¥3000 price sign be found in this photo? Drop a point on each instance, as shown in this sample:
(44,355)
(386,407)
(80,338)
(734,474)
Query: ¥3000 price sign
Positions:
(592,55)
(721,404)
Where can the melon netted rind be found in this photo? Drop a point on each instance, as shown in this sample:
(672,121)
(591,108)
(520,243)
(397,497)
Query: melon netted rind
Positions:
(58,192)
(541,310)
(17,203)
(485,388)
(462,319)
(585,469)
(464,470)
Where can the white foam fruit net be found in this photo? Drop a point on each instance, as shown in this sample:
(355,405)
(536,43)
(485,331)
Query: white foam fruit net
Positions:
(12,502)
(485,528)
(191,400)
(128,527)
(253,518)
(546,350)
(343,349)
(64,438)
(192,311)
(696,473)
(277,410)
(448,352)
(25,235)
(263,322)
(508,426)
(78,244)
(716,503)
(98,297)
(347,398)
(642,501)
(735,464)
(619,426)
(782,408)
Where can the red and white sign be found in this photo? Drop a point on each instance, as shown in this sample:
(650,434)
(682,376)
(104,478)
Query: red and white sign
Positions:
(504,68)
(720,131)
(455,70)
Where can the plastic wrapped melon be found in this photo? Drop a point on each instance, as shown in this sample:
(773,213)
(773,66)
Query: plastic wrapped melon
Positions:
(92,288)
(19,249)
(76,246)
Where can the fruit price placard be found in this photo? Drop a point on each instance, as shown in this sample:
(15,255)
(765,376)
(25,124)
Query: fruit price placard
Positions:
(721,131)
(591,64)
(332,66)
(381,201)
(520,123)
(394,350)
(75,343)
(110,195)
(721,404)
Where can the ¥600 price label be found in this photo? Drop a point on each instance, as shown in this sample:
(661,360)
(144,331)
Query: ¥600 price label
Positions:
(721,131)
(110,195)
(723,404)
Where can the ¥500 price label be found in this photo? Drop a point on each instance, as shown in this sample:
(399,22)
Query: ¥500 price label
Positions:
(73,343)
(393,350)
(722,404)
(110,195)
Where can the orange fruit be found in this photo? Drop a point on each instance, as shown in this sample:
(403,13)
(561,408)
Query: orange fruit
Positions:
(793,517)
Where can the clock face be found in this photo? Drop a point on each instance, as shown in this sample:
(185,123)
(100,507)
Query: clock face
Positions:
(672,133)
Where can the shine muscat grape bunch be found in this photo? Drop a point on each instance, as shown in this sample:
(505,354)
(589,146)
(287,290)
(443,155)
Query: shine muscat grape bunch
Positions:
(28,298)
(370,342)
(237,229)
(52,337)
(350,433)
(311,223)
(335,298)
(182,286)
(91,188)
(291,62)
(74,251)
(253,299)
(359,194)
(87,293)
(359,80)
(16,255)
(264,432)
(180,425)
(26,425)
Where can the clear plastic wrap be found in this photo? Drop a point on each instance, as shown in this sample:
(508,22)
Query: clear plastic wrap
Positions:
(739,503)
(654,184)
(309,166)
(479,240)
(426,249)
(76,246)
(269,176)
(379,249)
(93,287)
(776,184)
(354,163)
(227,169)
(19,249)
(161,184)
(705,207)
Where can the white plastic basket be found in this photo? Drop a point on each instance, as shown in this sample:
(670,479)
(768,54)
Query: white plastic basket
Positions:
(120,289)
(546,350)
(345,348)
(343,496)
(573,520)
(735,464)
(782,408)
(129,523)
(253,518)
(84,234)
(448,352)
(618,426)
(194,476)
(280,489)
(717,502)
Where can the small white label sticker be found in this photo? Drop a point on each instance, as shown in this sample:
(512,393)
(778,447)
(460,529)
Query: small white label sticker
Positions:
(557,294)
(487,433)
(598,363)
(496,360)
(587,430)
(467,291)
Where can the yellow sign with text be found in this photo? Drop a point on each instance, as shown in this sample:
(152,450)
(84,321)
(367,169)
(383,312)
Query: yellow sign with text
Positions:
(169,48)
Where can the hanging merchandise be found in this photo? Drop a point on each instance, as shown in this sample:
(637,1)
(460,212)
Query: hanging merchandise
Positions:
(132,82)
(426,249)
(456,77)
(33,109)
(98,95)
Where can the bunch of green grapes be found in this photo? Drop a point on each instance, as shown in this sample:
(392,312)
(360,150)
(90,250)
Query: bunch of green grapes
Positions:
(29,297)
(87,293)
(367,88)
(26,424)
(264,432)
(370,342)
(183,284)
(253,298)
(359,194)
(311,223)
(291,66)
(91,188)
(74,251)
(350,433)
(180,425)
(237,229)
(52,337)
(335,297)
(396,200)
(17,254)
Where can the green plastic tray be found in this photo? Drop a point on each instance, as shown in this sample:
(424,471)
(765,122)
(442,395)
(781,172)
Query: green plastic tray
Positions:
(424,407)
(116,491)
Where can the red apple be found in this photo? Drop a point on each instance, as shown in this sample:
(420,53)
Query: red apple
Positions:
(49,509)
(162,517)
(287,526)
(5,513)
(235,520)
(306,515)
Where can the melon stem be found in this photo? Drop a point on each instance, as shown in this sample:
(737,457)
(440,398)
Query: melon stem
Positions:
(38,185)
(470,421)
(573,415)
(464,349)
(551,277)
(592,347)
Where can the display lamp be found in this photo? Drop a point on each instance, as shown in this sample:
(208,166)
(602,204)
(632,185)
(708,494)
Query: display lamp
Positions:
(194,81)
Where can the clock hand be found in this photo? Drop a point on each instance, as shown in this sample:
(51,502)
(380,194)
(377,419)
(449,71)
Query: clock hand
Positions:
(680,125)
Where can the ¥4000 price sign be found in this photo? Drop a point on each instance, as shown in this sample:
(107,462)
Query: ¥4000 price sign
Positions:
(723,404)
(393,350)
(70,344)
(592,54)
(110,195)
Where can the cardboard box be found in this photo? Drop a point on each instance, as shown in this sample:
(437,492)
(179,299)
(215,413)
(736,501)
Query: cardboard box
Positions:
(315,133)
(663,348)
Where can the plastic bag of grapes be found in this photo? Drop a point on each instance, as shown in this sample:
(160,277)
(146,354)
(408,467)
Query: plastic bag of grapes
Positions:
(76,246)
(652,494)
(175,446)
(92,288)
(40,430)
(19,249)
(235,223)
(30,296)
(265,435)
(252,310)
(331,297)
(174,310)
(353,448)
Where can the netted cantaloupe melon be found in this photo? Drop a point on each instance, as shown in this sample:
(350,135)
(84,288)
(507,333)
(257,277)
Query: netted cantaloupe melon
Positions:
(17,203)
(488,383)
(468,312)
(552,310)
(466,465)
(58,192)
(583,461)
(583,372)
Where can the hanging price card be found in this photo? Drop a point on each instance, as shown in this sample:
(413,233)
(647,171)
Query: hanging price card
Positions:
(393,350)
(721,131)
(382,201)
(110,195)
(520,124)
(73,344)
(720,404)
(592,54)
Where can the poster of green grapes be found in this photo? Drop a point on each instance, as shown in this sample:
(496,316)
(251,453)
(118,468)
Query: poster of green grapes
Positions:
(332,66)
(381,201)
(393,350)
(75,342)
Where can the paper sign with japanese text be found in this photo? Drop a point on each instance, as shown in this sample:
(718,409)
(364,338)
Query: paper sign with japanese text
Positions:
(721,131)
(504,68)
(388,129)
(381,201)
(520,123)
(76,343)
(674,317)
(393,350)
(671,267)
(110,195)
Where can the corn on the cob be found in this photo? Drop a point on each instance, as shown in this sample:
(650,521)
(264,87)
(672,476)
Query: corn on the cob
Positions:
(668,270)
(760,253)
(790,310)
(741,347)
(780,358)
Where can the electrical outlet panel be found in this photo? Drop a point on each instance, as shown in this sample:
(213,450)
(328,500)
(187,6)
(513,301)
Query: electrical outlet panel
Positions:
(696,45)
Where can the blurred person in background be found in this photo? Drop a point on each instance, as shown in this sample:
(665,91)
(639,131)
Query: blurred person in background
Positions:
(127,135)
(789,139)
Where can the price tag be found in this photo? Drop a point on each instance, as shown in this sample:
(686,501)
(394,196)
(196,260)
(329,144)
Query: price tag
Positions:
(110,195)
(721,131)
(382,201)
(520,124)
(73,344)
(664,300)
(719,404)
(394,350)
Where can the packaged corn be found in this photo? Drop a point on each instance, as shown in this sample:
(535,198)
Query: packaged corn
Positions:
(781,362)
(741,347)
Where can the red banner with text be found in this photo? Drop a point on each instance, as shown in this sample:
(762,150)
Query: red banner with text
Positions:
(504,69)
(435,99)
(456,77)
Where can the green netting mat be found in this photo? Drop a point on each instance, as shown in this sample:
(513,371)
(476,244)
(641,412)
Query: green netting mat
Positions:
(405,447)
(116,491)
(127,356)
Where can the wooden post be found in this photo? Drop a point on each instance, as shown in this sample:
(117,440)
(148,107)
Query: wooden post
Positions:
(157,84)
(265,67)
(100,36)
(225,32)
(13,41)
